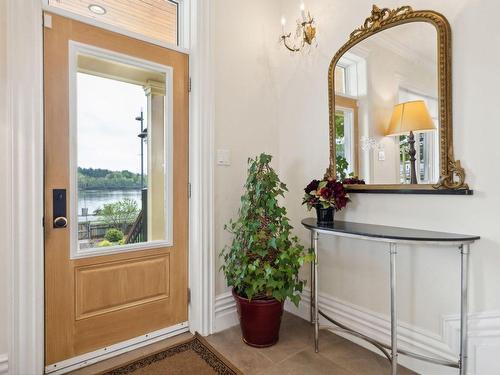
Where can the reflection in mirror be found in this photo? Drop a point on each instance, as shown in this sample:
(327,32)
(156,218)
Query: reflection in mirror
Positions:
(121,142)
(387,108)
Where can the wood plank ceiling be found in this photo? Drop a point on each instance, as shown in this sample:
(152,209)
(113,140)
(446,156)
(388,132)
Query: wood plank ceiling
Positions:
(153,18)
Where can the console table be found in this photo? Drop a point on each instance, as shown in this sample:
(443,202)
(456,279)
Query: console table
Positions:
(392,236)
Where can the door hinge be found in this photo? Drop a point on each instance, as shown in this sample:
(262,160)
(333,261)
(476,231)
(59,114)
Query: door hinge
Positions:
(189,295)
(189,190)
(47,21)
(190,85)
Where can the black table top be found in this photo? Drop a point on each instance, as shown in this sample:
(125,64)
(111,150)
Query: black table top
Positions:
(387,232)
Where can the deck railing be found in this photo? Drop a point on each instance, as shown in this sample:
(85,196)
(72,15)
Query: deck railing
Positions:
(136,233)
(139,230)
(91,231)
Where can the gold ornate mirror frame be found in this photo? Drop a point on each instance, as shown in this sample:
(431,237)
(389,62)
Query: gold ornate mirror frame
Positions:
(452,175)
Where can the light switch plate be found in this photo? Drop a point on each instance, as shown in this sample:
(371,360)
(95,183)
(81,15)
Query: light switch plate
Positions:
(381,155)
(224,157)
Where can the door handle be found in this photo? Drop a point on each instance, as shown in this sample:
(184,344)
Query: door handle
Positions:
(60,222)
(59,208)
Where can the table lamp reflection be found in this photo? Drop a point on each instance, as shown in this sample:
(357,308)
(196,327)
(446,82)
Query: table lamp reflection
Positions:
(407,118)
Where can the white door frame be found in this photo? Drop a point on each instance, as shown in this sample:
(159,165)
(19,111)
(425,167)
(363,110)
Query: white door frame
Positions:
(24,203)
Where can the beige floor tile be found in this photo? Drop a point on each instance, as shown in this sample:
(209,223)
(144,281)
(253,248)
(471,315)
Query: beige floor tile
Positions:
(249,360)
(362,366)
(358,359)
(344,349)
(306,362)
(295,335)
(384,364)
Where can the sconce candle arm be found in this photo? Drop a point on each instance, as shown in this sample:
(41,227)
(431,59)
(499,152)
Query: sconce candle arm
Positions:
(306,31)
(285,37)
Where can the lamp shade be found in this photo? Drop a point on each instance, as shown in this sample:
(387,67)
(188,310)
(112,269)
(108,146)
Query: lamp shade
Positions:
(410,116)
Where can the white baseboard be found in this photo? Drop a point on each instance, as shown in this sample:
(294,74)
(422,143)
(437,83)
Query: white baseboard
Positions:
(225,312)
(4,364)
(484,333)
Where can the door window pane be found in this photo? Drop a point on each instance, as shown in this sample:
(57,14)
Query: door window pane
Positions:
(122,153)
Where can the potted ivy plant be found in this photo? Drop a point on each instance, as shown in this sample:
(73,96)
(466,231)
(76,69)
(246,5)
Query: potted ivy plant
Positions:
(263,261)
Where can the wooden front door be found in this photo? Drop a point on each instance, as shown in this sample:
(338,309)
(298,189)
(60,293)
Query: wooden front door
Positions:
(117,269)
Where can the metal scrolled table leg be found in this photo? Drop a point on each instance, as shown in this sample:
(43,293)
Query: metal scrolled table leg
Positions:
(316,307)
(312,283)
(394,316)
(464,307)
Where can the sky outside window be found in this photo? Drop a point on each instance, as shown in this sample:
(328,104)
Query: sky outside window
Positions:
(107,129)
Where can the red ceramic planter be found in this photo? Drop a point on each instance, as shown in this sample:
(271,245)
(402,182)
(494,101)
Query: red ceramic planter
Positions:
(260,320)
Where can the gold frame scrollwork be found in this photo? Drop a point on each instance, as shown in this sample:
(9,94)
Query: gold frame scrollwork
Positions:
(452,175)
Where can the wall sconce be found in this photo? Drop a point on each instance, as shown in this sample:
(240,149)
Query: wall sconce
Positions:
(368,143)
(305,34)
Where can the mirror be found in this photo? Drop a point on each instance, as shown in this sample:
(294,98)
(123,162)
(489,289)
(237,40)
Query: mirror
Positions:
(395,70)
(390,105)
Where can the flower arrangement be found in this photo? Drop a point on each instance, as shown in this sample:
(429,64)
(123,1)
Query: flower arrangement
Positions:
(327,193)
(353,181)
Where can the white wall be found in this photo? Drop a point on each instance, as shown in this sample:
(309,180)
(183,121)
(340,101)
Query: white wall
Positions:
(246,114)
(4,199)
(356,271)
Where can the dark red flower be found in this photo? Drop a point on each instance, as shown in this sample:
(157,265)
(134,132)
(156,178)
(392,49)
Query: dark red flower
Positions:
(326,193)
(313,185)
(340,202)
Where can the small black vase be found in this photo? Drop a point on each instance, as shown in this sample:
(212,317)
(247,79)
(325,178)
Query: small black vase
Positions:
(324,215)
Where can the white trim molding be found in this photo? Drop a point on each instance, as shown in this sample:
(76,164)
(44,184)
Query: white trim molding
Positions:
(225,312)
(484,335)
(201,246)
(4,364)
(484,341)
(25,122)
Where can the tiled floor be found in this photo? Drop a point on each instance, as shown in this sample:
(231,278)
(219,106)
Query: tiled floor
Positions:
(294,354)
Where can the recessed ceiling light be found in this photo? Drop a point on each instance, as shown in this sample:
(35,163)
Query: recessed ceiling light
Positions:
(97,9)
